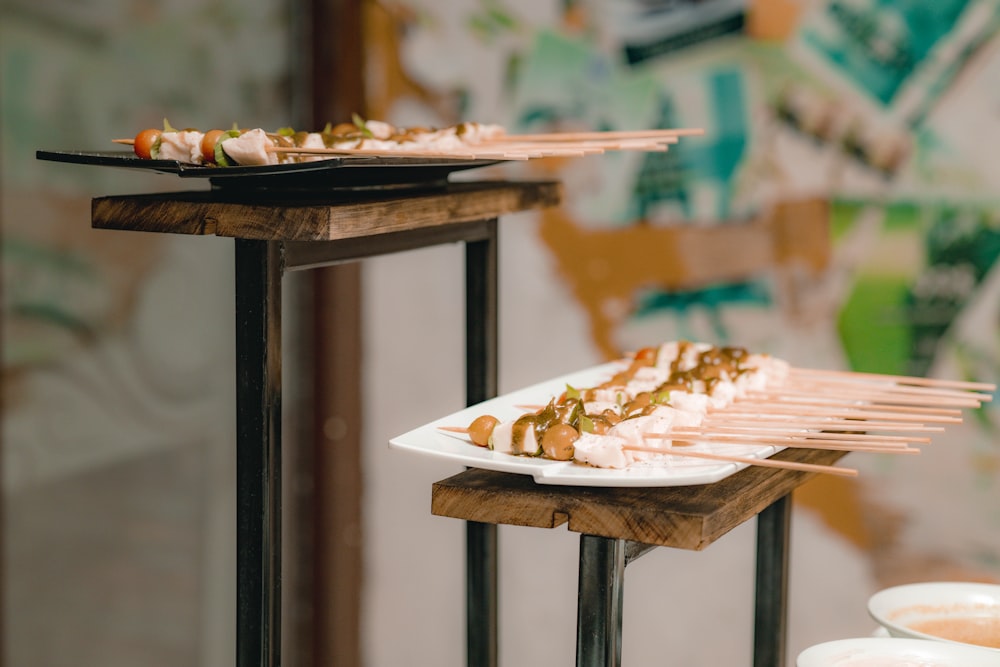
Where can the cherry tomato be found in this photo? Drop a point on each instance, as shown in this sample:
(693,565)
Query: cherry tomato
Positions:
(208,145)
(144,142)
(644,357)
(647,356)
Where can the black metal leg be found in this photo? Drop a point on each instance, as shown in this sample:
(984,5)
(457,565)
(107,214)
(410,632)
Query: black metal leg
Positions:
(481,383)
(599,601)
(258,463)
(771,598)
(481,594)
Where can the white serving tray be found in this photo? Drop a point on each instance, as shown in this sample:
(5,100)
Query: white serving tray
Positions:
(429,440)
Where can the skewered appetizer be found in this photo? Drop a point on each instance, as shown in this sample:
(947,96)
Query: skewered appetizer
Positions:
(468,140)
(661,387)
(258,147)
(680,393)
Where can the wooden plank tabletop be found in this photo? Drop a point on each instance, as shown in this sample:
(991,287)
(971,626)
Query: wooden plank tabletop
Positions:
(319,216)
(684,517)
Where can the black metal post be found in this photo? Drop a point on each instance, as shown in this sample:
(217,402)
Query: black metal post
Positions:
(771,595)
(481,383)
(600,595)
(258,462)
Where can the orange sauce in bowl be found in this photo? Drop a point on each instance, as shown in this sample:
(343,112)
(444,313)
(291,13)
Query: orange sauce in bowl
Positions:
(978,630)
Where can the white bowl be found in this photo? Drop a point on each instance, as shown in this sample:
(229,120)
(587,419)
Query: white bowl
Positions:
(893,652)
(954,612)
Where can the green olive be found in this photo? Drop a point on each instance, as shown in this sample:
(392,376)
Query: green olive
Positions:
(481,429)
(640,401)
(611,417)
(557,443)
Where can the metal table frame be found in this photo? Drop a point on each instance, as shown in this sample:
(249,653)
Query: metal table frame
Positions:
(260,266)
(601,588)
(470,216)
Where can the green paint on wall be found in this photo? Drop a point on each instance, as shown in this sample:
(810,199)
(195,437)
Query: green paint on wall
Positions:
(874,334)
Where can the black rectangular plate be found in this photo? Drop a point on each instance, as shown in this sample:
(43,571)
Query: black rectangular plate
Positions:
(334,172)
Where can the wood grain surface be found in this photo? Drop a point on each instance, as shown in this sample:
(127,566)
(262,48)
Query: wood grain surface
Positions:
(323,216)
(684,517)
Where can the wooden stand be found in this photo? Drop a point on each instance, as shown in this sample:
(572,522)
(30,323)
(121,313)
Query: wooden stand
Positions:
(617,525)
(276,231)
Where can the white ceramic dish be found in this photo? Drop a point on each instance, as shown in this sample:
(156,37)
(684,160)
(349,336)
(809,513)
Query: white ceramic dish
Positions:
(893,652)
(939,610)
(431,441)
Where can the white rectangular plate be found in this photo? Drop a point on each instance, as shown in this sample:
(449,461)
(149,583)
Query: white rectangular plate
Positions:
(675,471)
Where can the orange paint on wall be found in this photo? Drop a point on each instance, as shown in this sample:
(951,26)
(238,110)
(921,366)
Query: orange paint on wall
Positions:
(837,502)
(773,20)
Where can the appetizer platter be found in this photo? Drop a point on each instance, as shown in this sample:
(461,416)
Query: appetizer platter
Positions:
(685,413)
(362,151)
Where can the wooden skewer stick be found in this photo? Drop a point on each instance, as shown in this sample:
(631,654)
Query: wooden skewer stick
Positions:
(855,376)
(793,444)
(797,402)
(402,152)
(764,412)
(882,388)
(610,134)
(887,395)
(769,463)
(720,421)
(777,438)
(790,425)
(869,398)
(603,143)
(880,412)
(688,433)
(850,446)
(553,151)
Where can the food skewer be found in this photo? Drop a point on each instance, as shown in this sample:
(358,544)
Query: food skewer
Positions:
(681,451)
(775,436)
(609,134)
(796,427)
(378,139)
(509,151)
(852,414)
(869,403)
